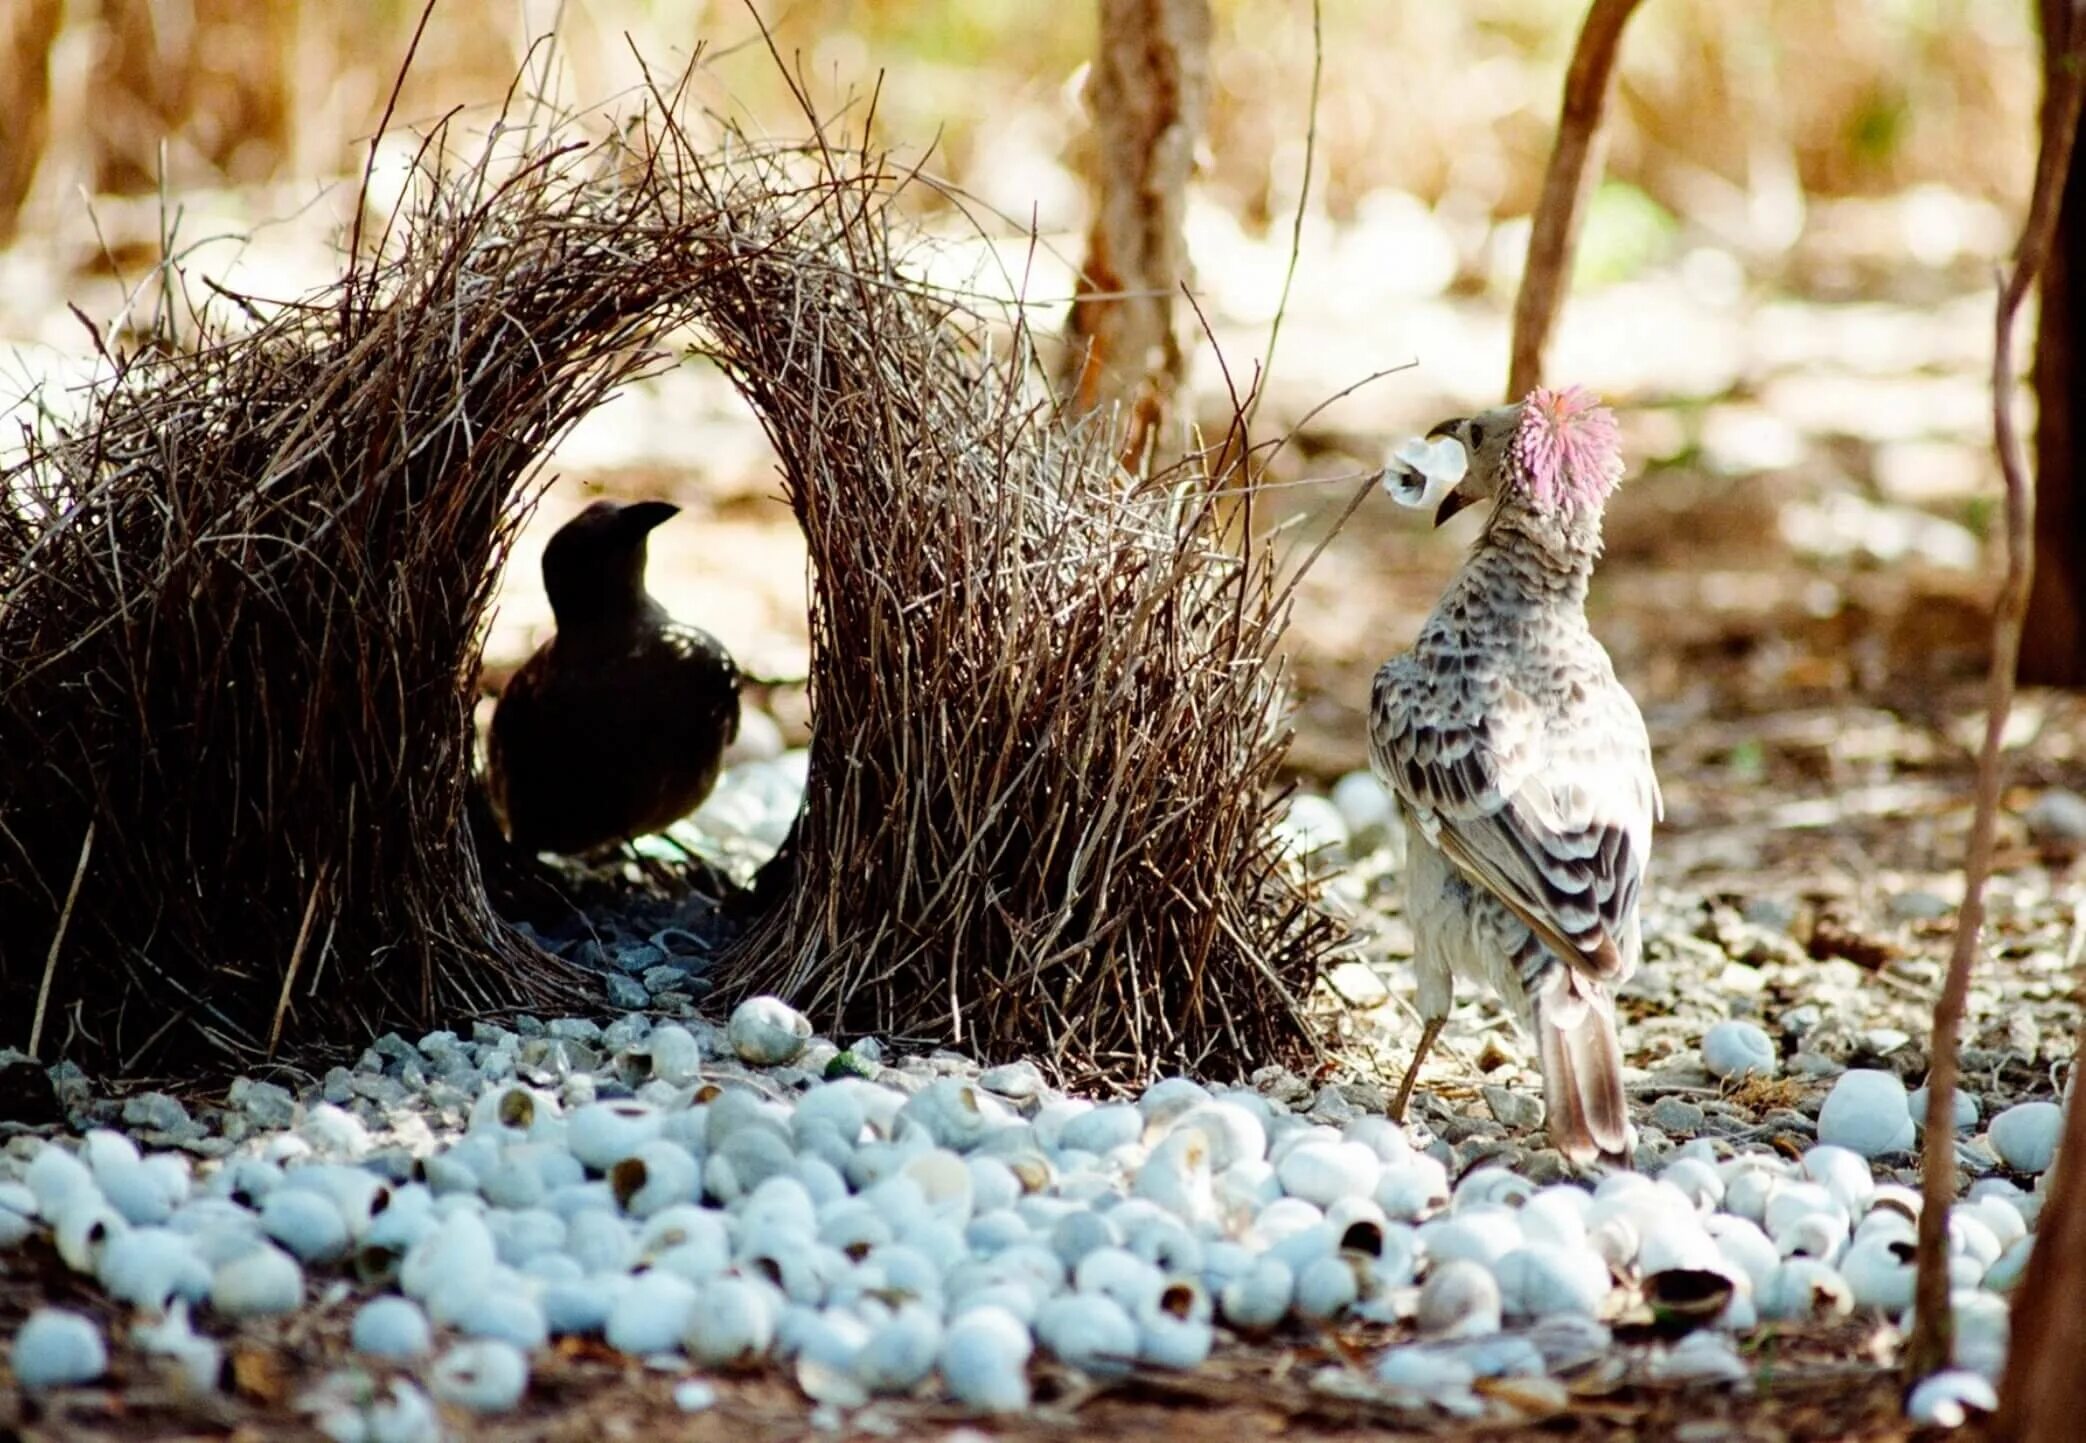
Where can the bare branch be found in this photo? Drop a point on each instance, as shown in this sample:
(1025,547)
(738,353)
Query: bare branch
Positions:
(50,961)
(1575,164)
(1933,1335)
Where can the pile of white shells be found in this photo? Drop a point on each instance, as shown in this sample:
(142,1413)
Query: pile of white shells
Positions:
(933,1237)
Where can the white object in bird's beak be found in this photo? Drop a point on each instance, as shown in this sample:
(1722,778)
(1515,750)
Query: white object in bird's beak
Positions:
(1421,472)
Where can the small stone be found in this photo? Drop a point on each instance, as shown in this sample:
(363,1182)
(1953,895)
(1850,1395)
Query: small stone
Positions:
(1103,1128)
(1738,1049)
(766,1031)
(1950,1399)
(1802,1019)
(1312,827)
(384,1091)
(693,1395)
(638,959)
(1518,1110)
(157,1112)
(1965,1109)
(390,1327)
(57,1348)
(263,1283)
(666,977)
(1867,1112)
(1918,906)
(577,1029)
(2025,1135)
(484,1375)
(1333,1108)
(394,1048)
(2057,819)
(627,992)
(1017,1080)
(1365,807)
(1676,1116)
(1776,914)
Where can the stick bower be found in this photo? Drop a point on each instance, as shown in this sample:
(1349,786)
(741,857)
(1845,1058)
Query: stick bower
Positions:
(242,600)
(1047,712)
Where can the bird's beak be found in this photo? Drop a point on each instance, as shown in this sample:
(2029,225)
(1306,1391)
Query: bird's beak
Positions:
(642,516)
(1455,501)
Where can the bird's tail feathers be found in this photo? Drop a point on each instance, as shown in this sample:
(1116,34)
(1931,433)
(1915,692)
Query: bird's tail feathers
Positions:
(1582,1073)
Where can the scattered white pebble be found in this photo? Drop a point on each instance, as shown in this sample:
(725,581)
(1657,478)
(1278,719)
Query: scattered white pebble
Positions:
(652,1314)
(198,1360)
(54,1177)
(602,1134)
(485,1376)
(263,1283)
(693,1395)
(1700,1357)
(984,1360)
(2025,1135)
(305,1222)
(57,1348)
(1259,1298)
(1738,1049)
(390,1327)
(1365,806)
(1965,1108)
(1088,1331)
(1460,1299)
(1433,1374)
(676,1057)
(1867,1112)
(1948,1399)
(150,1267)
(900,1350)
(767,1032)
(1321,1172)
(733,1323)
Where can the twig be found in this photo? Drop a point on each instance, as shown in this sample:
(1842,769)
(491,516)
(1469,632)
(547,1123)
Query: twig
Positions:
(50,961)
(1296,225)
(1574,165)
(289,974)
(1933,1333)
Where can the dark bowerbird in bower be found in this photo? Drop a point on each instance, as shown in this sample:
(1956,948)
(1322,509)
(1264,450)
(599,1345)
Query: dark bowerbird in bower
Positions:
(617,726)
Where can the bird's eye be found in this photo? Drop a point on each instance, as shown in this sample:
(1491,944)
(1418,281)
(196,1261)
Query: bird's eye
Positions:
(1477,436)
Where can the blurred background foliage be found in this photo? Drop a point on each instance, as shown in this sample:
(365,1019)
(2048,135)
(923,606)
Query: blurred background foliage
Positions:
(1728,115)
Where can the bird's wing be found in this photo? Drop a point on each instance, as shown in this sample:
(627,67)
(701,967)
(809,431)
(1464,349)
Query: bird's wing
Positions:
(707,678)
(1552,814)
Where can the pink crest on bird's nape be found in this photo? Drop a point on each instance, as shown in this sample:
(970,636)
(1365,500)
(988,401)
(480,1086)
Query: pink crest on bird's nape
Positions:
(1566,447)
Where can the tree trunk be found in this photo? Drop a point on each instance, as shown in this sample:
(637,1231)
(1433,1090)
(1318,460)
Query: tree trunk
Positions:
(2053,649)
(27,30)
(2043,1395)
(1147,95)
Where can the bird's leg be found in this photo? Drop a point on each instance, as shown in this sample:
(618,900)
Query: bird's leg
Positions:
(1429,1030)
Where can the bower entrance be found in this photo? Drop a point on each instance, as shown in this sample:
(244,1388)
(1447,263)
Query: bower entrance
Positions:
(246,597)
